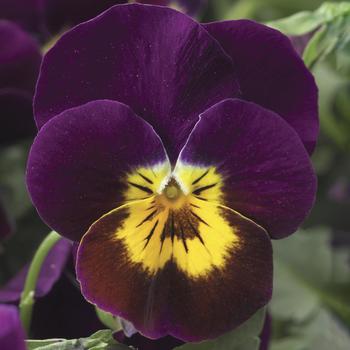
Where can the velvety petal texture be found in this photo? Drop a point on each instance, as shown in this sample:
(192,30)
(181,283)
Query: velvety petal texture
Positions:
(271,74)
(167,68)
(51,271)
(150,156)
(266,174)
(11,331)
(194,281)
(93,146)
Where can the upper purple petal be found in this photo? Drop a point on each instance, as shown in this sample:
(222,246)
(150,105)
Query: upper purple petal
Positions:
(267,174)
(158,61)
(271,74)
(50,272)
(11,332)
(78,163)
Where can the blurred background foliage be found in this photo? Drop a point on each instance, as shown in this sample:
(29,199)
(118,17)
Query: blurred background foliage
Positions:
(310,308)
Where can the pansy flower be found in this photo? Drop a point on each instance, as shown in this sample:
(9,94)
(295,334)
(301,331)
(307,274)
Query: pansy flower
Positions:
(20,60)
(152,154)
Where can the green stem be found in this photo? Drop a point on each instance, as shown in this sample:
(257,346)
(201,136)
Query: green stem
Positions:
(27,297)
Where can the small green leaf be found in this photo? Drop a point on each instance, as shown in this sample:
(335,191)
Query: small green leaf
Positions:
(245,337)
(298,24)
(101,340)
(308,21)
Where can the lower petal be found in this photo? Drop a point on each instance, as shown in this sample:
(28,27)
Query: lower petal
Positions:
(193,282)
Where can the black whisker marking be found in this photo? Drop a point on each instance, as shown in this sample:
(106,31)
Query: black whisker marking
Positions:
(162,236)
(146,178)
(140,187)
(199,218)
(148,238)
(172,228)
(199,190)
(196,232)
(194,205)
(201,177)
(147,218)
(183,238)
(201,198)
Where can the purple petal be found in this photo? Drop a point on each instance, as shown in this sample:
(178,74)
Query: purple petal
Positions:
(19,58)
(178,297)
(158,61)
(51,271)
(5,225)
(266,171)
(11,332)
(271,74)
(78,163)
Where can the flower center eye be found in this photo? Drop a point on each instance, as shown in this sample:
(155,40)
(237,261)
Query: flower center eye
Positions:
(172,192)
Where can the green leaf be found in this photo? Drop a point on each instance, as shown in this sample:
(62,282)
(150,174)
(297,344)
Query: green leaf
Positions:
(245,337)
(331,22)
(307,21)
(329,38)
(12,172)
(298,24)
(323,332)
(309,275)
(101,340)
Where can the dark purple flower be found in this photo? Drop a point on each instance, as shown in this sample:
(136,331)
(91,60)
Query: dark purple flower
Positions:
(19,66)
(11,332)
(51,271)
(150,155)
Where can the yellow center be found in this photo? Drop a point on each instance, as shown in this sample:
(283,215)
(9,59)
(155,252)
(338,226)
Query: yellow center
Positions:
(172,192)
(183,221)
